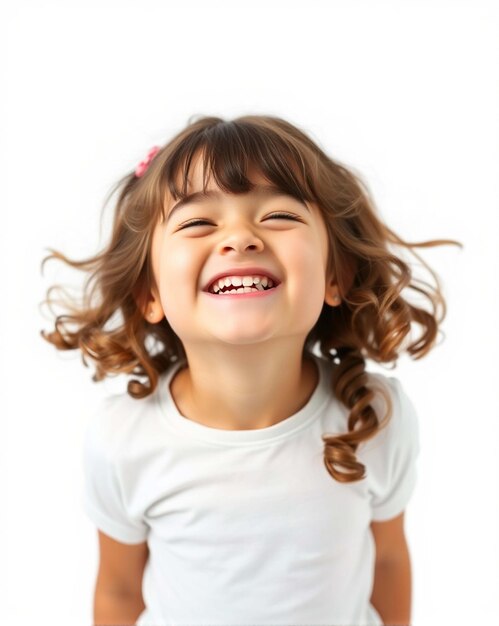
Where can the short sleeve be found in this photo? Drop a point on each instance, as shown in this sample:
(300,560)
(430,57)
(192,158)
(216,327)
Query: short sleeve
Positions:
(103,498)
(392,461)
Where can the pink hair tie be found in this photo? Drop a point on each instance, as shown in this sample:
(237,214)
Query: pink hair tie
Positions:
(143,165)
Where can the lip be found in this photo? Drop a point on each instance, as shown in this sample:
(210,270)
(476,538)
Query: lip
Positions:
(242,271)
(245,296)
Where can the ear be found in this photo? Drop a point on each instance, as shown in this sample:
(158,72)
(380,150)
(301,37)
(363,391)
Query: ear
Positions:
(333,296)
(148,302)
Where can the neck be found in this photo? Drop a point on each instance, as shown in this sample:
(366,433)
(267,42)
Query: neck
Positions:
(244,393)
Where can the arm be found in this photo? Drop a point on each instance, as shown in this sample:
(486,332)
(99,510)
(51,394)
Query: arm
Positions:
(118,590)
(392,589)
(113,609)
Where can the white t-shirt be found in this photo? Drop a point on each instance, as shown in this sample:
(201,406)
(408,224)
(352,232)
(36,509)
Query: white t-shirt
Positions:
(247,526)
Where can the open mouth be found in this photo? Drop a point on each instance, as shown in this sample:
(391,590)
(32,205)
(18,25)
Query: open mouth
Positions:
(249,280)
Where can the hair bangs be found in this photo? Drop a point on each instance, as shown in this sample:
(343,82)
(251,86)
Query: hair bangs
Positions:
(232,153)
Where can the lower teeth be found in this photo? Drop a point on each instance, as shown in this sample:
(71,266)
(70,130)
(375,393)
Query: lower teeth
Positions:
(241,290)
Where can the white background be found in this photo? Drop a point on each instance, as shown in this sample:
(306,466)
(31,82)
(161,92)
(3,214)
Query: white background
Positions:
(406,93)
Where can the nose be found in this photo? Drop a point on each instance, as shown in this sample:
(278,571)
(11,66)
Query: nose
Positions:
(240,239)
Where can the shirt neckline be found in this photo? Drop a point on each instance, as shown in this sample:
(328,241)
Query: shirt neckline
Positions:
(284,429)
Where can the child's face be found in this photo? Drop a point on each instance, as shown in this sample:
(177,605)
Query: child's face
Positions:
(239,231)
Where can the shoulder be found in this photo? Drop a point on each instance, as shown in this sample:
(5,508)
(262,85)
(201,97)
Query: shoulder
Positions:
(111,468)
(390,455)
(403,422)
(115,421)
(403,419)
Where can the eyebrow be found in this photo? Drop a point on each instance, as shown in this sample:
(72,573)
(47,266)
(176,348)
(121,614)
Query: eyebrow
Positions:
(268,191)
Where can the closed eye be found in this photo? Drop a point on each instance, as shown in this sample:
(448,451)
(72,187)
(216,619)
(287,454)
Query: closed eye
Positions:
(288,216)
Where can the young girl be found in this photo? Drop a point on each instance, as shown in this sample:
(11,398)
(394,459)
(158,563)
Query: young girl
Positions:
(257,474)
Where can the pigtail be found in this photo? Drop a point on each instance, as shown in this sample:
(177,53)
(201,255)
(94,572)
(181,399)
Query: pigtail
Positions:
(352,386)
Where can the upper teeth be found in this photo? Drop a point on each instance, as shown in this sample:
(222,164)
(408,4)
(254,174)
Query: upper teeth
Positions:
(237,281)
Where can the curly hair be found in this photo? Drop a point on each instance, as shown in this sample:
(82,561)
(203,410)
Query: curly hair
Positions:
(372,320)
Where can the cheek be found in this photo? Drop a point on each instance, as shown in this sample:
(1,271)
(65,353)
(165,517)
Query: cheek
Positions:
(305,261)
(180,261)
(174,265)
(164,267)
(179,276)
(177,282)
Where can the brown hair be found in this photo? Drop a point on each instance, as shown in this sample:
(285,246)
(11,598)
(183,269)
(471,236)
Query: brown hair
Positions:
(372,320)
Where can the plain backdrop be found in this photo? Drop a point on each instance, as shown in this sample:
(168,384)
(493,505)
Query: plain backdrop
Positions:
(405,93)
